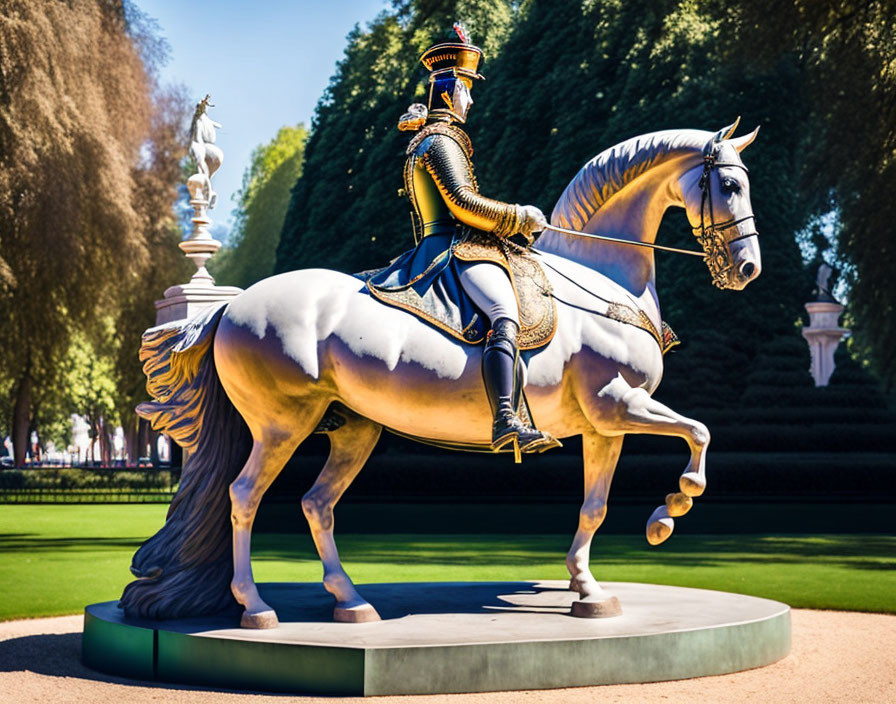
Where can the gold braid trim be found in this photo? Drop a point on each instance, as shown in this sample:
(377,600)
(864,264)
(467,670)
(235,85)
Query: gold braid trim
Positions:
(416,217)
(637,317)
(452,171)
(449,130)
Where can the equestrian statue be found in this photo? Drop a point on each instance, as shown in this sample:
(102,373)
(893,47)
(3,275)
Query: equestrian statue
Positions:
(478,338)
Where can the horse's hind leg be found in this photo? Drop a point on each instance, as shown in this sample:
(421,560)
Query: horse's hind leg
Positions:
(350,446)
(271,450)
(600,455)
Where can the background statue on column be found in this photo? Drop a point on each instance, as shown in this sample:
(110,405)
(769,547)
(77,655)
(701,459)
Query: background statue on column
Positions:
(183,301)
(823,333)
(206,155)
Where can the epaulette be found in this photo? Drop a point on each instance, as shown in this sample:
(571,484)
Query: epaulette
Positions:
(452,131)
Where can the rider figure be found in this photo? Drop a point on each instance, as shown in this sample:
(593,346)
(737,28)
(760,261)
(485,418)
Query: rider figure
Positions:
(453,221)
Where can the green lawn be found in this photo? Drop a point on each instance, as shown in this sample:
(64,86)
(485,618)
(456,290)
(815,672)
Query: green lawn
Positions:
(55,559)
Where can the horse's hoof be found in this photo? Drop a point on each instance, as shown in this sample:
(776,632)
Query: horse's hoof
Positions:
(692,483)
(263,619)
(678,504)
(659,526)
(364,613)
(604,608)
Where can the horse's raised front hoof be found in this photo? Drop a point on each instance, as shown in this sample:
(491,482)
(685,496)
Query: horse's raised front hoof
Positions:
(364,613)
(605,608)
(692,483)
(659,526)
(678,504)
(263,619)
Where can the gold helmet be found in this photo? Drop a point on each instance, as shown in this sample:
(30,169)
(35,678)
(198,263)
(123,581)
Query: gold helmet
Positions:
(450,63)
(457,58)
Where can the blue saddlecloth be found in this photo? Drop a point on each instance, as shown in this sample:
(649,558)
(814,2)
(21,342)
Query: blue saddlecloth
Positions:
(426,281)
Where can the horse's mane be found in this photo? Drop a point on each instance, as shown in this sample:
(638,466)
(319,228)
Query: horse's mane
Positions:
(611,170)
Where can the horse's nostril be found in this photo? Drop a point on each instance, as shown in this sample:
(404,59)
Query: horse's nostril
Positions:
(747,269)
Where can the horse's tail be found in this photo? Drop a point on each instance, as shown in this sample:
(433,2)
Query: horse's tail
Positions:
(186,568)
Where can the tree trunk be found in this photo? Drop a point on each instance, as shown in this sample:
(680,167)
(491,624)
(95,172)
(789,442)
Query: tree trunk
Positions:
(154,448)
(93,434)
(21,420)
(105,444)
(35,448)
(131,443)
(143,434)
(176,456)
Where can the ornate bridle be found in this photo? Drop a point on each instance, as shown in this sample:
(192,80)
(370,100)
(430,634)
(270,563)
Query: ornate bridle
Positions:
(711,237)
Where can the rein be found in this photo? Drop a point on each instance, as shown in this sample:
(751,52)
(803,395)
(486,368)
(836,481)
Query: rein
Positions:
(605,238)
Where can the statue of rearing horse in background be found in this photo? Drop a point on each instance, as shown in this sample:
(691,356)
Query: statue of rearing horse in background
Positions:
(241,386)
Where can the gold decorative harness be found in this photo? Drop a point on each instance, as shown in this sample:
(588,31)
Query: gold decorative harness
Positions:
(622,313)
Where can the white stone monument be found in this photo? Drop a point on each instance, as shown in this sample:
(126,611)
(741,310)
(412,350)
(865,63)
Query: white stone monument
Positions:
(186,300)
(823,332)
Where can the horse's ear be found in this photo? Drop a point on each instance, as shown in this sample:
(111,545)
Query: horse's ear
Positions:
(726,132)
(741,143)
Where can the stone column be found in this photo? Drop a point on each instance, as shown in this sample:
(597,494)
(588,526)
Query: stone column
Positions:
(823,335)
(183,301)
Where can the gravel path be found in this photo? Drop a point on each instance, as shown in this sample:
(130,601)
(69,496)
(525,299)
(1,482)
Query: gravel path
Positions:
(836,657)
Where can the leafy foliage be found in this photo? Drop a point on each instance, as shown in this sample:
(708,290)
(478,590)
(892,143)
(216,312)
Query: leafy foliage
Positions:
(844,52)
(262,203)
(85,188)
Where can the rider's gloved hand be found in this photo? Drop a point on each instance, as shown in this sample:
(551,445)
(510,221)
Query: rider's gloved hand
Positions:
(532,221)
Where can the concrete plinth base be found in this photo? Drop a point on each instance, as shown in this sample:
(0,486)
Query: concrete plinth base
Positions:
(188,300)
(448,637)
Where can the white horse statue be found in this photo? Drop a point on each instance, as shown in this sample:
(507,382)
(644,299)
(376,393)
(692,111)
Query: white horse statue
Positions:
(206,155)
(241,386)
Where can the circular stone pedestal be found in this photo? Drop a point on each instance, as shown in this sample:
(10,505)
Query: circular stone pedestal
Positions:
(448,637)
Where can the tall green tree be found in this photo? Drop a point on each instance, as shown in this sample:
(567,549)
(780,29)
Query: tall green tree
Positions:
(66,208)
(91,388)
(261,206)
(845,54)
(76,109)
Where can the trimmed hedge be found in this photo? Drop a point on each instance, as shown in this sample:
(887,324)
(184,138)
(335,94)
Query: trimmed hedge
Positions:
(77,478)
(446,477)
(82,485)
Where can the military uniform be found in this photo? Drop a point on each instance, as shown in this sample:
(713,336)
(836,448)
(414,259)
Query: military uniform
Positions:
(459,267)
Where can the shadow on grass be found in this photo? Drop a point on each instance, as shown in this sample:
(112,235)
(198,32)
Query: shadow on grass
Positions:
(32,543)
(862,552)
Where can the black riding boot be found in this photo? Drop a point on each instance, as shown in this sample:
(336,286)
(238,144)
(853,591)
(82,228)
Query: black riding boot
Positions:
(500,371)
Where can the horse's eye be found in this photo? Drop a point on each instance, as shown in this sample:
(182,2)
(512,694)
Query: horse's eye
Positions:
(729,185)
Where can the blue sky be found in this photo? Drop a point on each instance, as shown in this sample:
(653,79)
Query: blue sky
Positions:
(264,63)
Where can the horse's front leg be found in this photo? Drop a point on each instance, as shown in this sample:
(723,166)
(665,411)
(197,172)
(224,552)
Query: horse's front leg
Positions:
(600,455)
(629,409)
